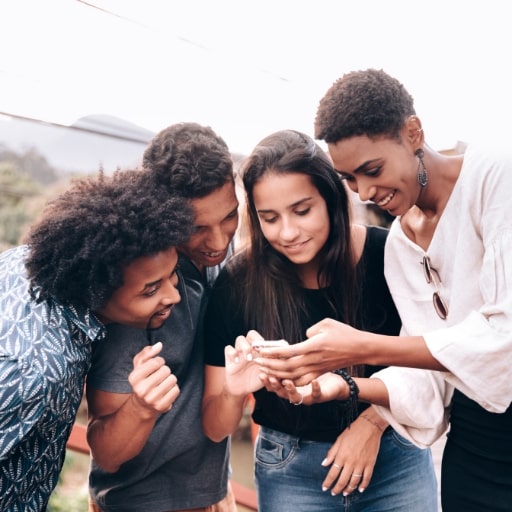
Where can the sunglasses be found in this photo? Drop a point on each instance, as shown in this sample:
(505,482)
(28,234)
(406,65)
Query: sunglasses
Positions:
(432,276)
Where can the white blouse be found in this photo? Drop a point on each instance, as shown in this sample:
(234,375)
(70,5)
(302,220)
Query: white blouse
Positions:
(472,252)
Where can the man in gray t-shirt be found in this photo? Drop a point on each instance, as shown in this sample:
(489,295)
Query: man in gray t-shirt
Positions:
(149,450)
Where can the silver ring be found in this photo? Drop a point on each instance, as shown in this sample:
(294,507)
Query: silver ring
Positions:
(352,488)
(356,475)
(336,465)
(300,401)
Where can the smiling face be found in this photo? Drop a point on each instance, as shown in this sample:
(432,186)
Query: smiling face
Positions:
(216,220)
(380,170)
(148,293)
(294,219)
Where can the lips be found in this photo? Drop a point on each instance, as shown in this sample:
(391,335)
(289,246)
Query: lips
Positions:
(165,312)
(382,203)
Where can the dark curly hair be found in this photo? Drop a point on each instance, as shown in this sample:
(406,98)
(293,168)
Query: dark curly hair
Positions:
(78,249)
(189,159)
(368,102)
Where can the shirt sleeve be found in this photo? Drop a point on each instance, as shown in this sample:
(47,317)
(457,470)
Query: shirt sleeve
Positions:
(419,403)
(478,351)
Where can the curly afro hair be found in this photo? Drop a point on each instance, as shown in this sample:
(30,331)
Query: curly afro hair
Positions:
(86,236)
(368,102)
(189,159)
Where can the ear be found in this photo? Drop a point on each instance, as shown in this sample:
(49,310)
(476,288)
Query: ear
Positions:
(414,131)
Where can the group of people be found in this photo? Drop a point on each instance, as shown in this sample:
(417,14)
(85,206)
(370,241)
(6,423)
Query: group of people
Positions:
(129,286)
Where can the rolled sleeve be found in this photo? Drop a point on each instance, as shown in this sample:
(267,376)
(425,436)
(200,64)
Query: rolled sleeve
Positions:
(419,403)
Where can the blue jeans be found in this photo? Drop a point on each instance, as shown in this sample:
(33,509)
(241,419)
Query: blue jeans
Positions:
(289,476)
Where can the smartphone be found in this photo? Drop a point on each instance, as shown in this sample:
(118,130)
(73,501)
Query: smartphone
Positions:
(269,344)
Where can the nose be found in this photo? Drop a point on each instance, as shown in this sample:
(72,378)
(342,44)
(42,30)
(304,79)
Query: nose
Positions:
(170,293)
(366,191)
(288,231)
(218,239)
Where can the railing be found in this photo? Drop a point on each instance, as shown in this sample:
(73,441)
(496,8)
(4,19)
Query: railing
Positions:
(244,496)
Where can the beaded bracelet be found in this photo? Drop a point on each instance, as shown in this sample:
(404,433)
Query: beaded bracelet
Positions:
(351,402)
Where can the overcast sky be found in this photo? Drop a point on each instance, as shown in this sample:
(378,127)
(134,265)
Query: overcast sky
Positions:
(248,68)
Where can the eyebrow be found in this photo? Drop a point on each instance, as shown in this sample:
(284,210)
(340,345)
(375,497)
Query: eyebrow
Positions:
(154,283)
(365,165)
(293,205)
(150,285)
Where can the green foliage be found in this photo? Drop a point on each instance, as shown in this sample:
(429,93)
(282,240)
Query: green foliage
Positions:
(16,188)
(61,503)
(31,163)
(66,497)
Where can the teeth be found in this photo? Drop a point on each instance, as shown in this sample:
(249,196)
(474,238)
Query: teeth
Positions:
(213,254)
(385,201)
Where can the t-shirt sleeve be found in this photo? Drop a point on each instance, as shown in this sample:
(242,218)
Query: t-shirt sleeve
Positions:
(222,319)
(112,358)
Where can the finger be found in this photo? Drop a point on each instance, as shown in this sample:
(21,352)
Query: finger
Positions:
(316,391)
(244,348)
(253,335)
(163,397)
(294,395)
(366,479)
(343,482)
(230,354)
(316,328)
(147,353)
(332,476)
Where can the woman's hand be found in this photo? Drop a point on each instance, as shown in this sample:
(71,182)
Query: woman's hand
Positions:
(325,388)
(331,345)
(242,373)
(353,455)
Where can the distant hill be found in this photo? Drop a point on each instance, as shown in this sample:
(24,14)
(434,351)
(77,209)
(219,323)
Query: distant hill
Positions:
(90,142)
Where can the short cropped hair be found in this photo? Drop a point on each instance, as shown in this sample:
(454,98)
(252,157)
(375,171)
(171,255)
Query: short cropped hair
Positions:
(368,102)
(86,236)
(189,159)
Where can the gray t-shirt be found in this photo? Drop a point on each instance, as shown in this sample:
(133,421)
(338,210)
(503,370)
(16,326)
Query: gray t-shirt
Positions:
(179,467)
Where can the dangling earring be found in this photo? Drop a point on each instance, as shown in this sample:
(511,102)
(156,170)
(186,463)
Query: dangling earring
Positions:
(422,170)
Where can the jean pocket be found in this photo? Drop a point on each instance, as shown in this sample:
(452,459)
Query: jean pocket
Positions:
(273,451)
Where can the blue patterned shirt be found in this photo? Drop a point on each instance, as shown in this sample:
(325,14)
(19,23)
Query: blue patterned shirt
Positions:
(45,352)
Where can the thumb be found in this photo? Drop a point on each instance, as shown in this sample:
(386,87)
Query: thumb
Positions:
(147,353)
(315,329)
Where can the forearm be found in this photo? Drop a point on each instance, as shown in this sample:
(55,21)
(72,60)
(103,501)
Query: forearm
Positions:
(409,351)
(221,414)
(120,436)
(372,391)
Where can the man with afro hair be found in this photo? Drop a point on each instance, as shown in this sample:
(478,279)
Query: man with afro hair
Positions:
(103,251)
(144,459)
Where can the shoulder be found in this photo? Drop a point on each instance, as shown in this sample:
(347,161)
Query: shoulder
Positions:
(368,240)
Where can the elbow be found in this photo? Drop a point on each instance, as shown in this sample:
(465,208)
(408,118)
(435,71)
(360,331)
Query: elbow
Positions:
(211,433)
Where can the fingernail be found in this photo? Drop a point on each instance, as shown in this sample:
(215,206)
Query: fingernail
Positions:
(249,357)
(237,360)
(324,488)
(362,489)
(345,494)
(324,462)
(334,494)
